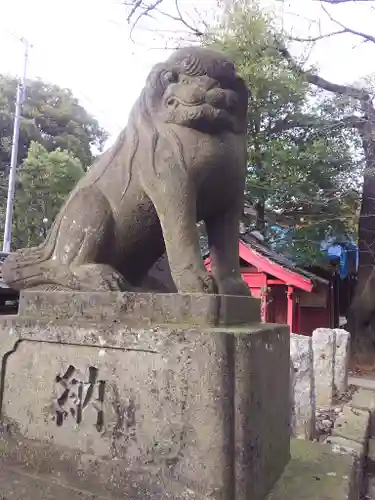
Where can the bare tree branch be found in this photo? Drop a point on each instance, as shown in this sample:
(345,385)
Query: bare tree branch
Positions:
(343,28)
(306,122)
(357,122)
(318,37)
(320,82)
(185,23)
(136,5)
(145,8)
(365,36)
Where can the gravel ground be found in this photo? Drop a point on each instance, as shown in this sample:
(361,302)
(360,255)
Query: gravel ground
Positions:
(326,417)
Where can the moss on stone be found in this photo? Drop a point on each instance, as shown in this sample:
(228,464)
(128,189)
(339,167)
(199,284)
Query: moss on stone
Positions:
(315,472)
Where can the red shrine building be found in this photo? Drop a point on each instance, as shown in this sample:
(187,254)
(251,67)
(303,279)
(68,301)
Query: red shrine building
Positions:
(289,295)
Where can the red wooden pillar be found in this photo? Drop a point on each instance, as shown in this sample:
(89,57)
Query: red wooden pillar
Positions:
(297,312)
(291,308)
(263,304)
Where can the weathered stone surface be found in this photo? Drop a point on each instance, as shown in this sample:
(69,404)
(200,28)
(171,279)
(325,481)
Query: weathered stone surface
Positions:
(84,472)
(323,341)
(364,399)
(262,435)
(370,486)
(302,387)
(353,424)
(316,472)
(158,413)
(371,456)
(331,357)
(144,308)
(159,404)
(18,486)
(187,130)
(341,360)
(344,446)
(362,382)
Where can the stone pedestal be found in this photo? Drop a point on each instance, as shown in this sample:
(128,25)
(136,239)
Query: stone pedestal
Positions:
(141,396)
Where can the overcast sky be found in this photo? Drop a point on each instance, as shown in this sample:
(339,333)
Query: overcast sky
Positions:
(84,45)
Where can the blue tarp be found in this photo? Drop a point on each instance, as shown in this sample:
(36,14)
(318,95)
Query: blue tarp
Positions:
(345,251)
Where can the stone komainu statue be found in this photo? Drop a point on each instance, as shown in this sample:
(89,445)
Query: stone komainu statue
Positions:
(181,159)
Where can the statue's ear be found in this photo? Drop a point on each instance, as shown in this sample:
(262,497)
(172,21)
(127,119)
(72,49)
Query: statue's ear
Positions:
(152,143)
(156,84)
(242,90)
(244,94)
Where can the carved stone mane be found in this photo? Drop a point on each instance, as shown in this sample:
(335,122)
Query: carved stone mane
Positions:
(181,159)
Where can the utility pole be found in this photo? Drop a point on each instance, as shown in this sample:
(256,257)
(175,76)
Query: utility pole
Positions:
(14,156)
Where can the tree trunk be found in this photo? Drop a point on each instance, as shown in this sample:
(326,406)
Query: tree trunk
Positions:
(260,224)
(366,225)
(361,321)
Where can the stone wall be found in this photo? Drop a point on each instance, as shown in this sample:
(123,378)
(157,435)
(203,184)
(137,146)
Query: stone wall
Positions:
(319,372)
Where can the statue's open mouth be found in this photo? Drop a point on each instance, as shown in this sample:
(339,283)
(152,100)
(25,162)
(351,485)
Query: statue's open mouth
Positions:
(216,98)
(210,112)
(210,120)
(176,101)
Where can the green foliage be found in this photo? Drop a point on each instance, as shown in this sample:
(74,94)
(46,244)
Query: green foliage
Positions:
(51,116)
(44,181)
(303,163)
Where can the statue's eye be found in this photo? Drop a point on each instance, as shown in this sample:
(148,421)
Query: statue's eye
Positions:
(170,77)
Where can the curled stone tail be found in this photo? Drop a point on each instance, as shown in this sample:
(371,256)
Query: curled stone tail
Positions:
(29,267)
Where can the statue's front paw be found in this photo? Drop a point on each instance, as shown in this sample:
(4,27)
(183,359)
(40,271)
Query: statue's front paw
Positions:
(100,278)
(234,286)
(208,284)
(199,282)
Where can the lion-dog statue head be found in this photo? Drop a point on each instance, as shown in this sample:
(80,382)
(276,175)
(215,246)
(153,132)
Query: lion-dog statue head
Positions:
(197,88)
